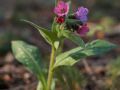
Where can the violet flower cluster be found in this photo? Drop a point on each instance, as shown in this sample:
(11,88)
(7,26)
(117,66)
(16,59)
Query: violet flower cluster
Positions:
(62,16)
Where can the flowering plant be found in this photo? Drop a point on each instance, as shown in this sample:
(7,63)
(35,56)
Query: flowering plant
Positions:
(66,25)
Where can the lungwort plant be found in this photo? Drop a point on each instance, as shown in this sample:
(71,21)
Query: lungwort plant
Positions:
(66,25)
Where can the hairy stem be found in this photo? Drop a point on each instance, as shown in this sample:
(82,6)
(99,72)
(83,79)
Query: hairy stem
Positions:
(50,73)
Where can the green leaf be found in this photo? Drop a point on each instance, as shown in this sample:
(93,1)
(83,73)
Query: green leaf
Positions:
(53,84)
(29,56)
(69,58)
(56,44)
(69,78)
(75,38)
(49,36)
(96,47)
(54,24)
(69,61)
(39,86)
(114,67)
(73,21)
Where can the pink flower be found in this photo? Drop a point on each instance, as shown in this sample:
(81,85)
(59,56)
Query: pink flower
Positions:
(61,9)
(82,30)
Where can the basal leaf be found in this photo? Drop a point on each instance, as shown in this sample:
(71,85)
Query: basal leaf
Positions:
(39,86)
(29,56)
(96,47)
(69,77)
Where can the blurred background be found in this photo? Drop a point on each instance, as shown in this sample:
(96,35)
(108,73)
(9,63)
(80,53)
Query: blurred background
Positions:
(104,23)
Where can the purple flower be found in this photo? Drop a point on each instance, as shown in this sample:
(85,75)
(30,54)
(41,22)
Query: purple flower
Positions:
(81,14)
(82,30)
(61,9)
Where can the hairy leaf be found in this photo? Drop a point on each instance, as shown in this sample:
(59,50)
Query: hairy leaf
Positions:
(74,38)
(39,86)
(70,78)
(29,56)
(96,47)
(49,36)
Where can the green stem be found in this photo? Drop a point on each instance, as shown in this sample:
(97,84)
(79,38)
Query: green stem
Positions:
(50,73)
